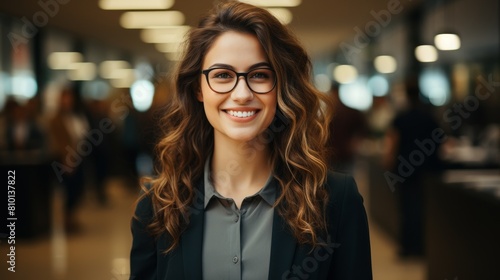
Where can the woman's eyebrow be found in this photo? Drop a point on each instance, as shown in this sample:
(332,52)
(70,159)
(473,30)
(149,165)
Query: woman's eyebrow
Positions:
(221,65)
(227,66)
(260,64)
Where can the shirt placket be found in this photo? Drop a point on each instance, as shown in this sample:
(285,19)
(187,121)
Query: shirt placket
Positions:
(235,243)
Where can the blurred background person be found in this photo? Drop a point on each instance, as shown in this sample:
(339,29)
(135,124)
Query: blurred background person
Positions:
(130,141)
(412,124)
(67,129)
(100,156)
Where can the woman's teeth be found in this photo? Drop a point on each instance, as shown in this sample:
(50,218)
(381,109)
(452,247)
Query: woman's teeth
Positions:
(241,114)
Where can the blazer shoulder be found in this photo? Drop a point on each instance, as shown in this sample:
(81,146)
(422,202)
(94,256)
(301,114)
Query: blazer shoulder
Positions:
(343,195)
(340,184)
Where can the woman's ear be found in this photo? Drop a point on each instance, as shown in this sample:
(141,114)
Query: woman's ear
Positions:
(199,95)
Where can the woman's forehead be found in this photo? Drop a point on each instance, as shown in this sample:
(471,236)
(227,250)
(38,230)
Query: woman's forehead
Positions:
(234,48)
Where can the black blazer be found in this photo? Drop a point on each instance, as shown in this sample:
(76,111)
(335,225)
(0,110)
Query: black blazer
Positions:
(347,255)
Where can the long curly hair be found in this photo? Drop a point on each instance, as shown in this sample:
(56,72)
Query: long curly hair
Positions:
(296,137)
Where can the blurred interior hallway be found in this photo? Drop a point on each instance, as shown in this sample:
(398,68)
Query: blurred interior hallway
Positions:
(101,250)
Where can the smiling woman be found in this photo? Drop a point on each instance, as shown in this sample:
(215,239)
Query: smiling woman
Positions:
(243,189)
(237,111)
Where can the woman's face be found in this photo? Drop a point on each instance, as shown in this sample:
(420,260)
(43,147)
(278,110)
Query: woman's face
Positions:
(240,114)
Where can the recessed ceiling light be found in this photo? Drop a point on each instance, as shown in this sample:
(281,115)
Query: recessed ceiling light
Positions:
(109,69)
(345,74)
(82,71)
(385,64)
(151,19)
(173,34)
(63,60)
(135,5)
(426,53)
(447,41)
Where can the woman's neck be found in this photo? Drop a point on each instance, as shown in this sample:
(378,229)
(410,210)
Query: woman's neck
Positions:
(240,169)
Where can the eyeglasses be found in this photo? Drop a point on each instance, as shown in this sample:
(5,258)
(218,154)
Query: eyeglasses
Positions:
(224,80)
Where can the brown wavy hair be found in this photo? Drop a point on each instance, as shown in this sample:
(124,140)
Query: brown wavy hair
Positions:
(297,150)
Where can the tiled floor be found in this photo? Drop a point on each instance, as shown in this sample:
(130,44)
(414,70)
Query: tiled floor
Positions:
(101,251)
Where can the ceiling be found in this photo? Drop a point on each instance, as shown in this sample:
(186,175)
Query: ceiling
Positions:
(320,24)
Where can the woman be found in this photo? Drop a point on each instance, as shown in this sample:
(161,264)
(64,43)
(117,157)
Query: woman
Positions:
(243,189)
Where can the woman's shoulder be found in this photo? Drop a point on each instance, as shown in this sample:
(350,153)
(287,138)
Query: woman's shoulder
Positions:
(337,181)
(341,186)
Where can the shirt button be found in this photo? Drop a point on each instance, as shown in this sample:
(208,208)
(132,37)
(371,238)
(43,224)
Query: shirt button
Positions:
(235,259)
(236,218)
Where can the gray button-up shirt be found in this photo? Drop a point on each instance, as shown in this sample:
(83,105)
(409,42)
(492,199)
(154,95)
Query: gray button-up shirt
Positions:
(237,242)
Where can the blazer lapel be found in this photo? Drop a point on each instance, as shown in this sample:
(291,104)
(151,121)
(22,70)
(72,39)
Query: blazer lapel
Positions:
(283,246)
(192,238)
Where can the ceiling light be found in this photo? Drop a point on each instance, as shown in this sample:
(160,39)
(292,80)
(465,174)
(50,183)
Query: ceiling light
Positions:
(108,69)
(345,73)
(23,85)
(135,5)
(282,14)
(434,84)
(174,34)
(447,41)
(151,19)
(120,74)
(63,60)
(273,3)
(82,71)
(426,53)
(142,93)
(385,64)
(356,95)
(378,85)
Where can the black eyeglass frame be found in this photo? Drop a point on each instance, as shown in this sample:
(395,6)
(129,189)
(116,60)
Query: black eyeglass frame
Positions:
(238,75)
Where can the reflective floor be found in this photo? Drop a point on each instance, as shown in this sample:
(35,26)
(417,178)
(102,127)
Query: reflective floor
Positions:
(101,250)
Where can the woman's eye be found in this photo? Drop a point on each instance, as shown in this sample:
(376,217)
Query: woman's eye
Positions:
(261,75)
(222,75)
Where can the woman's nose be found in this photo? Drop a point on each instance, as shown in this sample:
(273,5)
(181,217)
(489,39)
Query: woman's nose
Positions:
(242,93)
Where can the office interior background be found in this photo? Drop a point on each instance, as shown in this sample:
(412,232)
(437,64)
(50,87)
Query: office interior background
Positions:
(103,69)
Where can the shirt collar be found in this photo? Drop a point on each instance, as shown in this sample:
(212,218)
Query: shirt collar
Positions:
(267,193)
